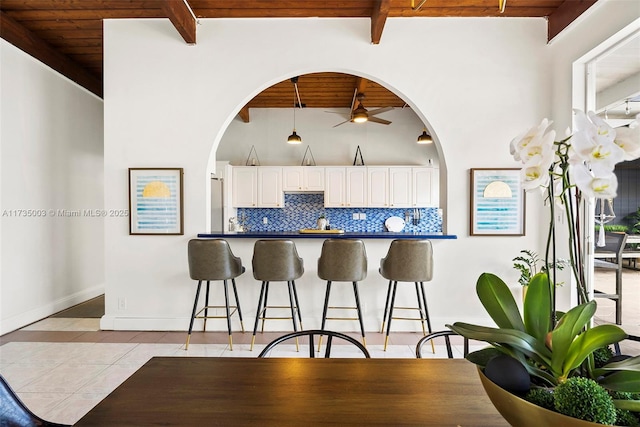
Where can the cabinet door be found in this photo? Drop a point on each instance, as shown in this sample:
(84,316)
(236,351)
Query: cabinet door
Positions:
(313,178)
(356,187)
(378,178)
(334,187)
(400,188)
(245,186)
(292,178)
(425,187)
(270,193)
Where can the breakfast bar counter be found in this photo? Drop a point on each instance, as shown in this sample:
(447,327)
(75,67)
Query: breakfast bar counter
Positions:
(329,234)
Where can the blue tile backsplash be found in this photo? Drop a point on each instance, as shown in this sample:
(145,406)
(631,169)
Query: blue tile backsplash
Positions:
(301,210)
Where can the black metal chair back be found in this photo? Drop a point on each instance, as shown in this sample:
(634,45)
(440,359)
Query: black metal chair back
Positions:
(14,413)
(447,340)
(311,334)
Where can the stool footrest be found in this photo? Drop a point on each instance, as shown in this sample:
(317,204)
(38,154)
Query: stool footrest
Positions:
(232,310)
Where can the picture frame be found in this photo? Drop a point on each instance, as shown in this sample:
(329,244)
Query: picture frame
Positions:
(497,205)
(156,201)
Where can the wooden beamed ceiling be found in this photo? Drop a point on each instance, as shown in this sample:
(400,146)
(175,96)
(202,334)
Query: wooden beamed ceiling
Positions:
(67,34)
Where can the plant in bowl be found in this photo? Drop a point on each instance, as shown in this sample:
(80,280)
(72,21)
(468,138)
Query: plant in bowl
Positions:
(545,350)
(551,357)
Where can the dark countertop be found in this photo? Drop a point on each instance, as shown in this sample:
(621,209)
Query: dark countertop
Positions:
(347,235)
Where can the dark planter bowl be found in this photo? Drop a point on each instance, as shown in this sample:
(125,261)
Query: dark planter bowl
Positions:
(518,412)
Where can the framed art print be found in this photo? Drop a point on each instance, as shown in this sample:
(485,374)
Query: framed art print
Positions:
(155,201)
(497,203)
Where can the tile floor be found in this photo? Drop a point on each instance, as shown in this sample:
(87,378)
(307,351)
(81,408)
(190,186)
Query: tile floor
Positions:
(62,367)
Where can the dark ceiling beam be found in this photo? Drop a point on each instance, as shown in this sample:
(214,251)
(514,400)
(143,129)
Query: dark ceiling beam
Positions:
(565,14)
(378,19)
(29,42)
(181,16)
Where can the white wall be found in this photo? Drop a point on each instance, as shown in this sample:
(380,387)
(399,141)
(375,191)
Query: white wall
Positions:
(380,144)
(476,82)
(51,146)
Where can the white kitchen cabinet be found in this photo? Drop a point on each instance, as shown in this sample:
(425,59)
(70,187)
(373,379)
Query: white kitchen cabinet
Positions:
(245,187)
(270,194)
(334,187)
(400,187)
(302,178)
(378,187)
(426,187)
(356,190)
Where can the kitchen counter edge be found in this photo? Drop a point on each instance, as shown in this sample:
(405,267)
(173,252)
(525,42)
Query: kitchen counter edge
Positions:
(346,235)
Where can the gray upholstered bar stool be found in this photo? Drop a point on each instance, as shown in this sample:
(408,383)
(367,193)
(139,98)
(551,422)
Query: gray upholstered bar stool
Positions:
(407,261)
(276,261)
(343,260)
(212,259)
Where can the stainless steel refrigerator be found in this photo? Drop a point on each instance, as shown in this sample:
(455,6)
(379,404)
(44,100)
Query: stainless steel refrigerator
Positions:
(217,214)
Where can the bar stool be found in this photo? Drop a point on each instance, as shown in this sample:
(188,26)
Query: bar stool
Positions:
(276,261)
(407,261)
(342,260)
(212,259)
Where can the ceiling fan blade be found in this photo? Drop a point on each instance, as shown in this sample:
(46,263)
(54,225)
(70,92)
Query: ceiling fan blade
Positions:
(341,123)
(380,110)
(378,120)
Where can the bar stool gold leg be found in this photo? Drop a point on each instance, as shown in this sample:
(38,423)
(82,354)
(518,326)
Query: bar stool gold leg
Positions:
(386,340)
(319,343)
(242,324)
(230,343)
(186,346)
(364,342)
(253,340)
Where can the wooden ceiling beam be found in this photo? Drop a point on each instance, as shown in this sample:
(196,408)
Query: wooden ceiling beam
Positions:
(244,114)
(181,16)
(26,40)
(378,18)
(565,14)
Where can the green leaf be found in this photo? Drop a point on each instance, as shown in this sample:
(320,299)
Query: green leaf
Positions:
(537,307)
(569,326)
(588,341)
(622,381)
(516,339)
(498,301)
(630,364)
(629,405)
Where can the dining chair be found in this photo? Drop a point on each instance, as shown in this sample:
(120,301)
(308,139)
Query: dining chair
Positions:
(212,259)
(310,334)
(13,412)
(276,261)
(609,257)
(439,334)
(408,260)
(342,260)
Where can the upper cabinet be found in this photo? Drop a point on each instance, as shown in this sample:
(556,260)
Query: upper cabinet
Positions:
(270,193)
(416,187)
(357,186)
(245,187)
(303,178)
(378,193)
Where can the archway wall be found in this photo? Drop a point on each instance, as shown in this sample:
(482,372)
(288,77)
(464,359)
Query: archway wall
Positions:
(475,82)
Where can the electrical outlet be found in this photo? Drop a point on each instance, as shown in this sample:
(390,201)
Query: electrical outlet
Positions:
(356,216)
(122,303)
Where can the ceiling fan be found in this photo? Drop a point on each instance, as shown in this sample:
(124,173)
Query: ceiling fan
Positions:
(359,114)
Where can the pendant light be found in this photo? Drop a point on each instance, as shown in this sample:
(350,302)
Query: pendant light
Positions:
(424,137)
(294,138)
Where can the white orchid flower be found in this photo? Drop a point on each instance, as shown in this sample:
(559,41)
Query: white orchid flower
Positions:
(535,176)
(601,154)
(602,186)
(594,127)
(539,150)
(533,135)
(628,139)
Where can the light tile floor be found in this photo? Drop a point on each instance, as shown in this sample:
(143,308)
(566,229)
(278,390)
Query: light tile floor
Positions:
(62,367)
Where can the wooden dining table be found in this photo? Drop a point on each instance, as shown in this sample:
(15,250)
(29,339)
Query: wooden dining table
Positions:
(192,391)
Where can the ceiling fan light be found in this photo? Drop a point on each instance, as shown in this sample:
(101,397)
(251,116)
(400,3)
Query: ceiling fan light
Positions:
(294,138)
(360,115)
(425,138)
